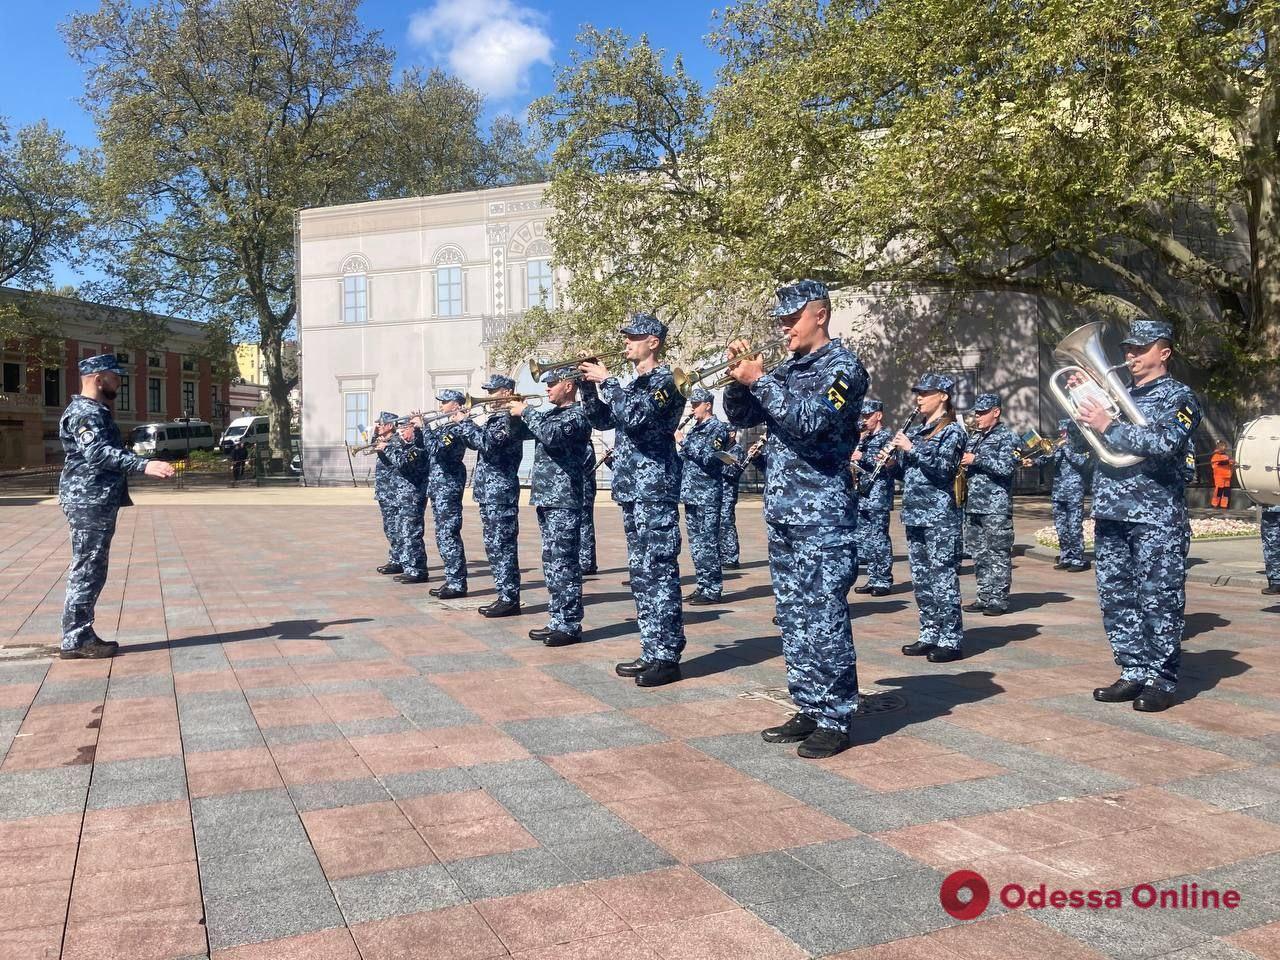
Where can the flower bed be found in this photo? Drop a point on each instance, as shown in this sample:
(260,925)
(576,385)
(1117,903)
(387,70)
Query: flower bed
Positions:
(1207,528)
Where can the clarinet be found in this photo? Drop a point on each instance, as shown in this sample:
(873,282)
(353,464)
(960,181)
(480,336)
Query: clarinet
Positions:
(871,478)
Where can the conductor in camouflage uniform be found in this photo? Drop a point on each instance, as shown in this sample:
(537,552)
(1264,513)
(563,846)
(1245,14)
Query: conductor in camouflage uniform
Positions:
(448,480)
(990,460)
(700,492)
(646,484)
(561,434)
(499,447)
(875,503)
(93,488)
(734,463)
(1139,515)
(811,403)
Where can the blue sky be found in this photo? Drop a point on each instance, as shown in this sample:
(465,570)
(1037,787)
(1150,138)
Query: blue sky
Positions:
(508,48)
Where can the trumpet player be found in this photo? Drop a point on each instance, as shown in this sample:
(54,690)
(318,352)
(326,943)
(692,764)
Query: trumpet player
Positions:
(448,480)
(875,503)
(401,502)
(499,447)
(1072,469)
(811,404)
(646,484)
(562,435)
(700,492)
(1139,517)
(990,462)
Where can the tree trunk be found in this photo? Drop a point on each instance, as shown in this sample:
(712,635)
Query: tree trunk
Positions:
(279,383)
(1264,285)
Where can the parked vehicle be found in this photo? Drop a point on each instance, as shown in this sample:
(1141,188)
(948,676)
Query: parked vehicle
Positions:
(252,430)
(173,439)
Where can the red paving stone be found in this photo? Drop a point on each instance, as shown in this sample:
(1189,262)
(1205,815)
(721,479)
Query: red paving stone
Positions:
(128,879)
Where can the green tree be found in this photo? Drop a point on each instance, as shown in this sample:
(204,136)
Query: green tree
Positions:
(219,119)
(1118,155)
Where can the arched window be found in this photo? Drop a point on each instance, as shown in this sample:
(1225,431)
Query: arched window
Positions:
(355,289)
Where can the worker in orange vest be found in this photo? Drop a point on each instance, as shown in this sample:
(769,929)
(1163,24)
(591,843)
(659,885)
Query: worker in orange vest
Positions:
(1222,465)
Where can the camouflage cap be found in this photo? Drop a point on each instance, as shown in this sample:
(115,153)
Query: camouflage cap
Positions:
(644,325)
(447,396)
(498,381)
(552,377)
(102,363)
(387,416)
(871,406)
(1143,332)
(929,382)
(701,395)
(792,298)
(985,402)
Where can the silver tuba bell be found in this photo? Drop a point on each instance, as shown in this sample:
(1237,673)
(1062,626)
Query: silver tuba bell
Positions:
(1096,380)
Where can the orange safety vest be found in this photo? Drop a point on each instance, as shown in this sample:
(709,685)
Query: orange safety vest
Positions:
(1221,464)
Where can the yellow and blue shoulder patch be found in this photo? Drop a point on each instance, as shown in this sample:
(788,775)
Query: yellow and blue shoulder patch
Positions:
(838,392)
(661,396)
(1185,416)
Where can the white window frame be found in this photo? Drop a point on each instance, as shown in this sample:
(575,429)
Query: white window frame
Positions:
(355,298)
(456,305)
(546,292)
(350,423)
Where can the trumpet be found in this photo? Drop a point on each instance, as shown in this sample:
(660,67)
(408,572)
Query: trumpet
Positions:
(538,367)
(774,352)
(470,400)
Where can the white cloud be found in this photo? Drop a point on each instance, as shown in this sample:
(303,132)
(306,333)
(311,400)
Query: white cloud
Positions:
(490,44)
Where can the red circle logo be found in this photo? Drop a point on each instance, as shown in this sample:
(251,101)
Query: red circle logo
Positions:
(979,894)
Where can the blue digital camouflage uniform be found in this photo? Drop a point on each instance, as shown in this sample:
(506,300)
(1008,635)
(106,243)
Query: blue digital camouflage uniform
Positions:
(932,521)
(587,541)
(875,503)
(495,485)
(1072,467)
(93,488)
(404,469)
(1139,515)
(1271,543)
(989,507)
(646,483)
(700,493)
(811,404)
(448,480)
(730,477)
(562,435)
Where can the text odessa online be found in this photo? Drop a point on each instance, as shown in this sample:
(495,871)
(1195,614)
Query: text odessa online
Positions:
(1188,896)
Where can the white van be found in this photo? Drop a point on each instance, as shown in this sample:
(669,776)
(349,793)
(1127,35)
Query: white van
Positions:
(251,430)
(173,439)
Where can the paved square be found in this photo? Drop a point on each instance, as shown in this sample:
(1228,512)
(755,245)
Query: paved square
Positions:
(295,757)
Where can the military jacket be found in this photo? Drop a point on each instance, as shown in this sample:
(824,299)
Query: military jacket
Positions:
(1072,467)
(448,472)
(563,435)
(879,495)
(499,447)
(811,405)
(644,415)
(402,470)
(701,469)
(96,464)
(731,473)
(1153,491)
(991,473)
(928,474)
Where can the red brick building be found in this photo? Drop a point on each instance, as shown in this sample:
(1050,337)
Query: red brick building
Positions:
(169,380)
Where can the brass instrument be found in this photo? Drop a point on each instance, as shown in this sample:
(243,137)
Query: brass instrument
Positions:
(774,352)
(470,400)
(538,367)
(1096,380)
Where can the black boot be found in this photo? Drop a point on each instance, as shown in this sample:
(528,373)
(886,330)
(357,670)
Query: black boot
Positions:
(1119,692)
(879,591)
(700,599)
(558,638)
(822,743)
(917,649)
(411,578)
(94,649)
(539,633)
(659,674)
(797,728)
(632,668)
(389,568)
(448,593)
(1153,700)
(501,608)
(945,654)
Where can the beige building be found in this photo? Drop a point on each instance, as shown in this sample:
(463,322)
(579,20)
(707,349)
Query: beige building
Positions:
(250,366)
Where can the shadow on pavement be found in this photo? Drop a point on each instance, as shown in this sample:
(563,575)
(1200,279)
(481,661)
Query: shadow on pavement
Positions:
(280,630)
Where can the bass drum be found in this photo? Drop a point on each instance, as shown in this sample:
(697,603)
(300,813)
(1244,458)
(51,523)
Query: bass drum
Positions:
(1258,460)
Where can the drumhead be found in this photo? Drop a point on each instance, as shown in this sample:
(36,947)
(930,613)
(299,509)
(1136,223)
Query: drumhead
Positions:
(1257,458)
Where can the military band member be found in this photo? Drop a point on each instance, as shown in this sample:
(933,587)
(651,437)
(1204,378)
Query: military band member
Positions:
(928,457)
(1139,515)
(495,485)
(730,477)
(384,475)
(700,492)
(93,487)
(1270,520)
(410,466)
(587,543)
(448,480)
(811,404)
(561,434)
(1072,469)
(646,484)
(875,503)
(990,461)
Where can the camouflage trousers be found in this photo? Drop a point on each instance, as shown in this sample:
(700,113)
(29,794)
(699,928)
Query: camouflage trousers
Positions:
(587,536)
(410,525)
(812,571)
(874,548)
(991,543)
(653,549)
(91,533)
(730,551)
(500,523)
(1142,576)
(388,510)
(935,577)
(1068,521)
(561,532)
(446,512)
(703,522)
(1271,545)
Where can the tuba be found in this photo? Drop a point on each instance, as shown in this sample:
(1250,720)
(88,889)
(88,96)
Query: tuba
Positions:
(1096,380)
